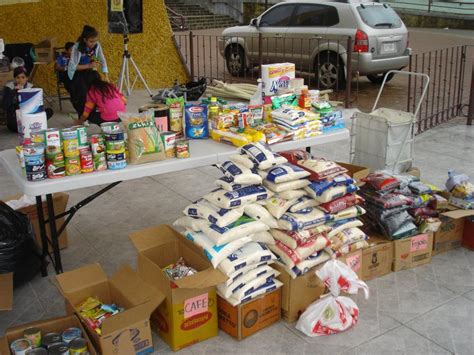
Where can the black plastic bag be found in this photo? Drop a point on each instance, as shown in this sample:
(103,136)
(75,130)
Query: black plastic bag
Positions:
(18,251)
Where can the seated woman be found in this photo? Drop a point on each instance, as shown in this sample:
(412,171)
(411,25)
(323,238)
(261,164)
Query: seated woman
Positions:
(10,101)
(103,102)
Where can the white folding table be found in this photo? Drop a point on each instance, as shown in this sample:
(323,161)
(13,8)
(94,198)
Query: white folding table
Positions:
(203,153)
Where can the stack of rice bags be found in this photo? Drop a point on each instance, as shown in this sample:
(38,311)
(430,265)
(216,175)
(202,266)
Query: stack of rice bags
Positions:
(301,123)
(231,225)
(317,219)
(401,205)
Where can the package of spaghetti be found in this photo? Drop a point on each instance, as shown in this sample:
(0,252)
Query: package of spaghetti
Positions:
(382,181)
(341,203)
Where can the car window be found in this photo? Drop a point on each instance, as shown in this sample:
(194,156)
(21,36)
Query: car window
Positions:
(379,16)
(314,15)
(279,16)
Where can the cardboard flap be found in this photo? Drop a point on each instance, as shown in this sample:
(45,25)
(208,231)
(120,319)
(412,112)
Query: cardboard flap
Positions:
(457,214)
(136,290)
(6,291)
(202,279)
(127,318)
(151,237)
(77,279)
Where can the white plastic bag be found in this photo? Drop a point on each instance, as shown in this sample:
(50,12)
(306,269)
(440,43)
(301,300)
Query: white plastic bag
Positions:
(333,313)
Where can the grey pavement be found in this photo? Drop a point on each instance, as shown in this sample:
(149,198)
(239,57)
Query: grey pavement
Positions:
(426,310)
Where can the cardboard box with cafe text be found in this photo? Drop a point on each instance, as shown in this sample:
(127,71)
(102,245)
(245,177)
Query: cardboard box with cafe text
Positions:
(189,313)
(377,258)
(246,319)
(60,201)
(54,325)
(412,252)
(127,332)
(297,294)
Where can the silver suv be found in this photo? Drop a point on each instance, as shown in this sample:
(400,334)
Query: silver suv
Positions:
(313,35)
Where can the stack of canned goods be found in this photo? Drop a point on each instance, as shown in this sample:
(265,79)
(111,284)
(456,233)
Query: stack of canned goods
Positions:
(68,342)
(114,146)
(54,154)
(71,151)
(33,157)
(98,152)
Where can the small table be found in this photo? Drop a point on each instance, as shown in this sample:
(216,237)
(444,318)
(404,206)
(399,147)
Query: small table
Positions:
(203,153)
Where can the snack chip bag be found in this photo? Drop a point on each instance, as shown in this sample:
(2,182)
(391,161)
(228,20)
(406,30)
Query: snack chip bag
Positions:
(144,141)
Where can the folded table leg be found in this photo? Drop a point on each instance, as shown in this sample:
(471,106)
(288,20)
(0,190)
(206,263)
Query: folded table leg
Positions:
(54,235)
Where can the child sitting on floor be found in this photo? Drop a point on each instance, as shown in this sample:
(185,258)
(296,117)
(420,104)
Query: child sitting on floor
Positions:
(103,102)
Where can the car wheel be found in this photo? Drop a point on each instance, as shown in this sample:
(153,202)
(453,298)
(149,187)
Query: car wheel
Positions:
(235,60)
(329,71)
(378,78)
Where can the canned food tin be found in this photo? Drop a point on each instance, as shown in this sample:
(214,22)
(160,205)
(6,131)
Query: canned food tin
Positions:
(78,346)
(34,149)
(52,139)
(50,339)
(169,143)
(20,346)
(37,351)
(55,169)
(84,149)
(37,136)
(70,142)
(116,157)
(81,135)
(115,146)
(97,144)
(116,165)
(110,127)
(70,334)
(35,168)
(99,162)
(38,176)
(34,336)
(58,349)
(182,148)
(87,165)
(119,136)
(73,166)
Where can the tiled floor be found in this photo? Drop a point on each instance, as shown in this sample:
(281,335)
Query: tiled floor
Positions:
(420,311)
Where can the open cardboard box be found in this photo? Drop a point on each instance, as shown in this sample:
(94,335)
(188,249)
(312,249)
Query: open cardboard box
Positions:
(356,172)
(128,332)
(60,201)
(412,252)
(54,325)
(189,313)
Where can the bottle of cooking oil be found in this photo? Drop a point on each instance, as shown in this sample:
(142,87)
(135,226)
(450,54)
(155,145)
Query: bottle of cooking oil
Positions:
(213,113)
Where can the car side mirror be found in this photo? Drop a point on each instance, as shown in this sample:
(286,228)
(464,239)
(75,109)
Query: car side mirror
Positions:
(254,22)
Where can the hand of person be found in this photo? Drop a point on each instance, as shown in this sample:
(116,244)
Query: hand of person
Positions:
(94,65)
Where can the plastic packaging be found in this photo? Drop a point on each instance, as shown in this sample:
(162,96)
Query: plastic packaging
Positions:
(144,141)
(284,173)
(292,194)
(251,253)
(261,156)
(333,313)
(240,174)
(260,213)
(234,199)
(244,226)
(382,181)
(278,206)
(196,123)
(286,186)
(298,238)
(305,219)
(219,216)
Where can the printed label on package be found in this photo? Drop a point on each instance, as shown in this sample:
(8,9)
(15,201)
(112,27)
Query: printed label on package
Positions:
(354,262)
(196,305)
(420,242)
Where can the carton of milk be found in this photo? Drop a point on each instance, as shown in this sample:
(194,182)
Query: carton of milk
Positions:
(276,76)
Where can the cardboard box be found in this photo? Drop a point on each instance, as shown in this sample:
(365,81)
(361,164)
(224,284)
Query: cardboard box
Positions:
(60,201)
(56,325)
(128,332)
(44,51)
(468,237)
(412,252)
(6,291)
(297,294)
(449,235)
(354,261)
(189,313)
(246,319)
(377,258)
(357,172)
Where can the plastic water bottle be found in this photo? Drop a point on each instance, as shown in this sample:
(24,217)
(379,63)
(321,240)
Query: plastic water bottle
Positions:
(257,98)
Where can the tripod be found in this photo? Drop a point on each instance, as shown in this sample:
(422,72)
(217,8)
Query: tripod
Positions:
(124,77)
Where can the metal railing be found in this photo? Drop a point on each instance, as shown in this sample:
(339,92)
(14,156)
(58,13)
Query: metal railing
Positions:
(178,22)
(446,94)
(319,61)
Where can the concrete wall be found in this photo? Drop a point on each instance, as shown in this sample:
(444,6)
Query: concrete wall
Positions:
(414,19)
(153,50)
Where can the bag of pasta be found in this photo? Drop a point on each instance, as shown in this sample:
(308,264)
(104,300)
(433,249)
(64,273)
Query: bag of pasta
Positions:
(144,141)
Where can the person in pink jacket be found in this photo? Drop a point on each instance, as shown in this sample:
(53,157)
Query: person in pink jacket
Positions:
(103,103)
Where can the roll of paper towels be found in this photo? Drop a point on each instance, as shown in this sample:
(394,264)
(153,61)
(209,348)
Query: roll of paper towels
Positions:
(31,100)
(33,122)
(277,76)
